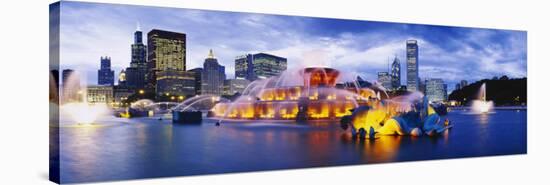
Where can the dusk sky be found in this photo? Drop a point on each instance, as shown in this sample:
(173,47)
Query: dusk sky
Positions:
(89,31)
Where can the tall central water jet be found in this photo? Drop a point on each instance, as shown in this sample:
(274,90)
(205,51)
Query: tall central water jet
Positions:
(75,102)
(481,105)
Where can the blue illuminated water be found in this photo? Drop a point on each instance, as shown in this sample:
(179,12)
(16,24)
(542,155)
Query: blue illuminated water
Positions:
(118,148)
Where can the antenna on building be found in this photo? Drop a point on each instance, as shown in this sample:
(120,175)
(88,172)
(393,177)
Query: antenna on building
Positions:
(138,27)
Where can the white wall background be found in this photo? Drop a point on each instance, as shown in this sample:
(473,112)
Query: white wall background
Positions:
(24,86)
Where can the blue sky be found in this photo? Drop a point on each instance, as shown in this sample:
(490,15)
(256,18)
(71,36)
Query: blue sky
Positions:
(90,30)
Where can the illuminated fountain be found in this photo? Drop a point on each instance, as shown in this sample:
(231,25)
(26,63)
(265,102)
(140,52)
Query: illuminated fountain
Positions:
(83,112)
(311,94)
(147,108)
(75,105)
(481,105)
(192,109)
(307,94)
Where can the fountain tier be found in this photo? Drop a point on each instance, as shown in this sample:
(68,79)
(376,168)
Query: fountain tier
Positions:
(316,99)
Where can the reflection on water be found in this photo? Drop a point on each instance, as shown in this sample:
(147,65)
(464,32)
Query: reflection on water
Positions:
(482,118)
(118,148)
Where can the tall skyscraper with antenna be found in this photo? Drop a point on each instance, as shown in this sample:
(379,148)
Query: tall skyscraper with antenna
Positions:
(412,65)
(135,74)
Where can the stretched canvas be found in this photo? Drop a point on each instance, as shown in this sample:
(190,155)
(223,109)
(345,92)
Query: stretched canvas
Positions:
(145,92)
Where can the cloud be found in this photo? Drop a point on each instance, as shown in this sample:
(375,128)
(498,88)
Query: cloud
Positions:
(90,30)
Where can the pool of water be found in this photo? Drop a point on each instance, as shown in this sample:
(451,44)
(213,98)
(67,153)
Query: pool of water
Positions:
(118,148)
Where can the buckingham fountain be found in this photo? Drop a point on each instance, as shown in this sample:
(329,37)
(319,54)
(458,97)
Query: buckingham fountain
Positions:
(311,94)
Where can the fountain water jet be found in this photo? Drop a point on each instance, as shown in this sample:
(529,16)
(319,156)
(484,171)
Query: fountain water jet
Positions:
(191,110)
(75,103)
(481,105)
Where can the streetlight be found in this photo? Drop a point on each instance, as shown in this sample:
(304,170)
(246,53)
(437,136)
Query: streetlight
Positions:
(141,91)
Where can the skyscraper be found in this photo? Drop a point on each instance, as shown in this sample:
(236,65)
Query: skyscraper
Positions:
(395,74)
(243,67)
(412,65)
(213,76)
(198,79)
(166,62)
(105,76)
(259,66)
(135,74)
(385,80)
(436,90)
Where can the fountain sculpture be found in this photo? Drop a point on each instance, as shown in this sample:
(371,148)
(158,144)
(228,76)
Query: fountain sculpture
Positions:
(308,94)
(407,115)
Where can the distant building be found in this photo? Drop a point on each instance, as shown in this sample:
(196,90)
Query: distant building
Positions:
(243,67)
(213,76)
(166,52)
(384,79)
(175,83)
(395,74)
(105,76)
(259,66)
(463,83)
(70,83)
(233,86)
(135,74)
(436,90)
(412,65)
(198,79)
(422,86)
(99,94)
(457,87)
(121,93)
(135,77)
(122,78)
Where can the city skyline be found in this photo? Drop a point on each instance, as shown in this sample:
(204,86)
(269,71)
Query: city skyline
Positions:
(357,47)
(178,92)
